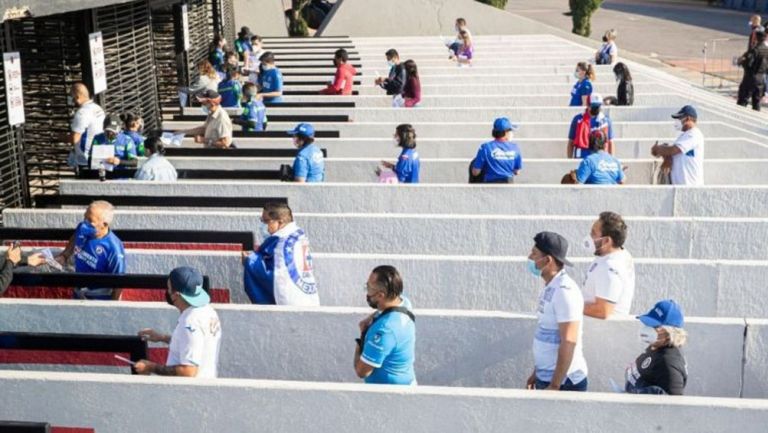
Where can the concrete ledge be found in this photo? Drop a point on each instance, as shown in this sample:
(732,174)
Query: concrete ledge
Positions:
(454,348)
(755,359)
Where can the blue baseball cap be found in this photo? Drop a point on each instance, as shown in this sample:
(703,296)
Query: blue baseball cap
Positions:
(664,313)
(503,124)
(189,283)
(687,111)
(304,129)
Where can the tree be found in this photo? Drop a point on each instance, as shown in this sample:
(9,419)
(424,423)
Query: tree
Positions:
(582,15)
(501,4)
(297,26)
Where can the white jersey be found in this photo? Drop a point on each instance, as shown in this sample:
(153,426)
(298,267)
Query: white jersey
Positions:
(294,278)
(688,165)
(197,340)
(612,277)
(156,168)
(561,301)
(88,121)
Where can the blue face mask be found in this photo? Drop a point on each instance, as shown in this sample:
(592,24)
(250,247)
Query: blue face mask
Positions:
(206,110)
(87,229)
(264,231)
(533,269)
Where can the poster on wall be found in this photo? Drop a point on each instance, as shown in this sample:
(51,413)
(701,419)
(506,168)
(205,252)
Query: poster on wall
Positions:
(13,90)
(185,26)
(98,66)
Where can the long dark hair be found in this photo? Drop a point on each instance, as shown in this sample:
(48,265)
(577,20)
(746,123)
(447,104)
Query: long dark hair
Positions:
(411,69)
(622,72)
(407,135)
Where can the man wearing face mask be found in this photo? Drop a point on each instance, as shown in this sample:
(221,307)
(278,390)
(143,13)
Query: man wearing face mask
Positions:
(500,159)
(661,369)
(395,81)
(95,249)
(270,80)
(280,271)
(217,129)
(610,284)
(344,77)
(125,148)
(87,123)
(584,124)
(195,343)
(558,358)
(684,159)
(385,351)
(309,164)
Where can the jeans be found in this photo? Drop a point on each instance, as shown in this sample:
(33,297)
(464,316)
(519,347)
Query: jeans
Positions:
(567,386)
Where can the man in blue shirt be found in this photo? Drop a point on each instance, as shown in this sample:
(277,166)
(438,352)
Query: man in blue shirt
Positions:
(600,167)
(500,160)
(309,165)
(385,353)
(125,148)
(598,120)
(230,89)
(96,249)
(270,79)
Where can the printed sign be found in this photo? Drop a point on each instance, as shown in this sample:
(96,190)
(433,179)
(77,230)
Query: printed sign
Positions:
(185,26)
(13,90)
(98,66)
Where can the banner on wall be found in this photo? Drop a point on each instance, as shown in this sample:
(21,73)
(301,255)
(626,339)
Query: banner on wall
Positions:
(98,65)
(185,26)
(13,89)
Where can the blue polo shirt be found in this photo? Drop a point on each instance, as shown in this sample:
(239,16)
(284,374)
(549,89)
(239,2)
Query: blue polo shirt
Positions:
(271,80)
(243,45)
(231,92)
(125,148)
(309,164)
(408,166)
(255,112)
(217,59)
(100,256)
(500,159)
(389,348)
(601,121)
(138,140)
(581,88)
(600,168)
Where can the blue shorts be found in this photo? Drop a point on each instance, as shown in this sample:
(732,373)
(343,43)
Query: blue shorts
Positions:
(567,386)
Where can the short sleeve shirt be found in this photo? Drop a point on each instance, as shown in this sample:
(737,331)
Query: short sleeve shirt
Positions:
(196,341)
(389,348)
(271,80)
(688,165)
(98,256)
(231,92)
(157,168)
(408,166)
(217,125)
(499,159)
(600,168)
(581,88)
(89,122)
(601,121)
(309,164)
(612,277)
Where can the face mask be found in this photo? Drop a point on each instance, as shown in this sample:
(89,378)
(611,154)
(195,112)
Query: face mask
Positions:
(264,231)
(206,110)
(70,101)
(648,335)
(591,245)
(390,63)
(87,229)
(536,272)
(169,299)
(396,141)
(678,125)
(576,75)
(371,303)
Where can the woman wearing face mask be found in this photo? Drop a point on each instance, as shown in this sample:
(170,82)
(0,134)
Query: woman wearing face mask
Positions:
(582,127)
(408,166)
(661,368)
(625,93)
(582,90)
(309,165)
(608,53)
(270,80)
(412,90)
(280,271)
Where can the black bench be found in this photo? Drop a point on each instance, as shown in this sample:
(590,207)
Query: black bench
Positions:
(190,174)
(24,427)
(312,83)
(316,118)
(307,93)
(107,281)
(282,134)
(236,153)
(296,104)
(281,65)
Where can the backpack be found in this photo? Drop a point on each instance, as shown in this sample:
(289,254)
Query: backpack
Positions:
(583,128)
(604,56)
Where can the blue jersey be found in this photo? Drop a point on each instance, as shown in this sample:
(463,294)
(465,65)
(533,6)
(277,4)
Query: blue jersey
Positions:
(499,159)
(581,88)
(255,113)
(600,168)
(309,164)
(100,256)
(271,80)
(408,166)
(125,148)
(242,46)
(389,348)
(217,59)
(231,92)
(138,140)
(601,121)
(259,273)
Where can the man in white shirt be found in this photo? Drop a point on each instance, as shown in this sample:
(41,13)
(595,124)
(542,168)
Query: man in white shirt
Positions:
(684,159)
(610,283)
(195,343)
(156,167)
(557,349)
(87,123)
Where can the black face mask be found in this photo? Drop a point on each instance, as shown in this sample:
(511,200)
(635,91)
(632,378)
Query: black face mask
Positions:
(168,299)
(594,111)
(371,303)
(605,39)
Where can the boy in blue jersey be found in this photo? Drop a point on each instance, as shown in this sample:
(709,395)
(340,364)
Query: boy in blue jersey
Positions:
(243,42)
(600,167)
(133,125)
(230,89)
(95,249)
(270,80)
(500,160)
(597,121)
(254,115)
(386,350)
(125,148)
(309,165)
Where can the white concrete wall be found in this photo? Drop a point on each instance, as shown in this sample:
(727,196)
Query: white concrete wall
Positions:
(755,356)
(454,348)
(127,404)
(264,17)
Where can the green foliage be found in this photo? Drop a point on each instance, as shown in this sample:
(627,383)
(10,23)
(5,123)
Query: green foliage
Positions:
(501,4)
(582,15)
(297,26)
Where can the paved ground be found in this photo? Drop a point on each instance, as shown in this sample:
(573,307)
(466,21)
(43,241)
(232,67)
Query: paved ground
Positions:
(672,31)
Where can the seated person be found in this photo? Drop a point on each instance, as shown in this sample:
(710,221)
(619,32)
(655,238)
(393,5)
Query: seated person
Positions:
(465,51)
(499,160)
(600,167)
(461,25)
(156,167)
(345,75)
(309,165)
(270,80)
(412,89)
(583,124)
(254,115)
(133,125)
(280,271)
(94,248)
(230,89)
(125,148)
(394,83)
(243,43)
(252,64)
(217,129)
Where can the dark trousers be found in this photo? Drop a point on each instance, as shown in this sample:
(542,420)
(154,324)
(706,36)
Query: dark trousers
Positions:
(751,89)
(567,386)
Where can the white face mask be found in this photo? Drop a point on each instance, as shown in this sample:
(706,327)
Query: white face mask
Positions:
(396,141)
(678,125)
(264,231)
(390,63)
(648,335)
(591,245)
(70,101)
(206,110)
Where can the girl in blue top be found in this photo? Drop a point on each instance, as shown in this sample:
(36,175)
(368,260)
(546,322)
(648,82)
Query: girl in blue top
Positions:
(216,55)
(133,125)
(408,165)
(580,95)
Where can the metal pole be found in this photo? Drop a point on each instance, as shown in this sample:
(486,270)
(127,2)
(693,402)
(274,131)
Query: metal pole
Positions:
(704,69)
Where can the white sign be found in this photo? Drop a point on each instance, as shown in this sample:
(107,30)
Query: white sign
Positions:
(98,66)
(185,26)
(13,90)
(100,153)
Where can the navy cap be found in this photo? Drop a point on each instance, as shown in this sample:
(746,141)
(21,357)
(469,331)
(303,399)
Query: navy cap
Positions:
(503,124)
(111,124)
(687,111)
(189,283)
(553,244)
(304,129)
(207,94)
(664,313)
